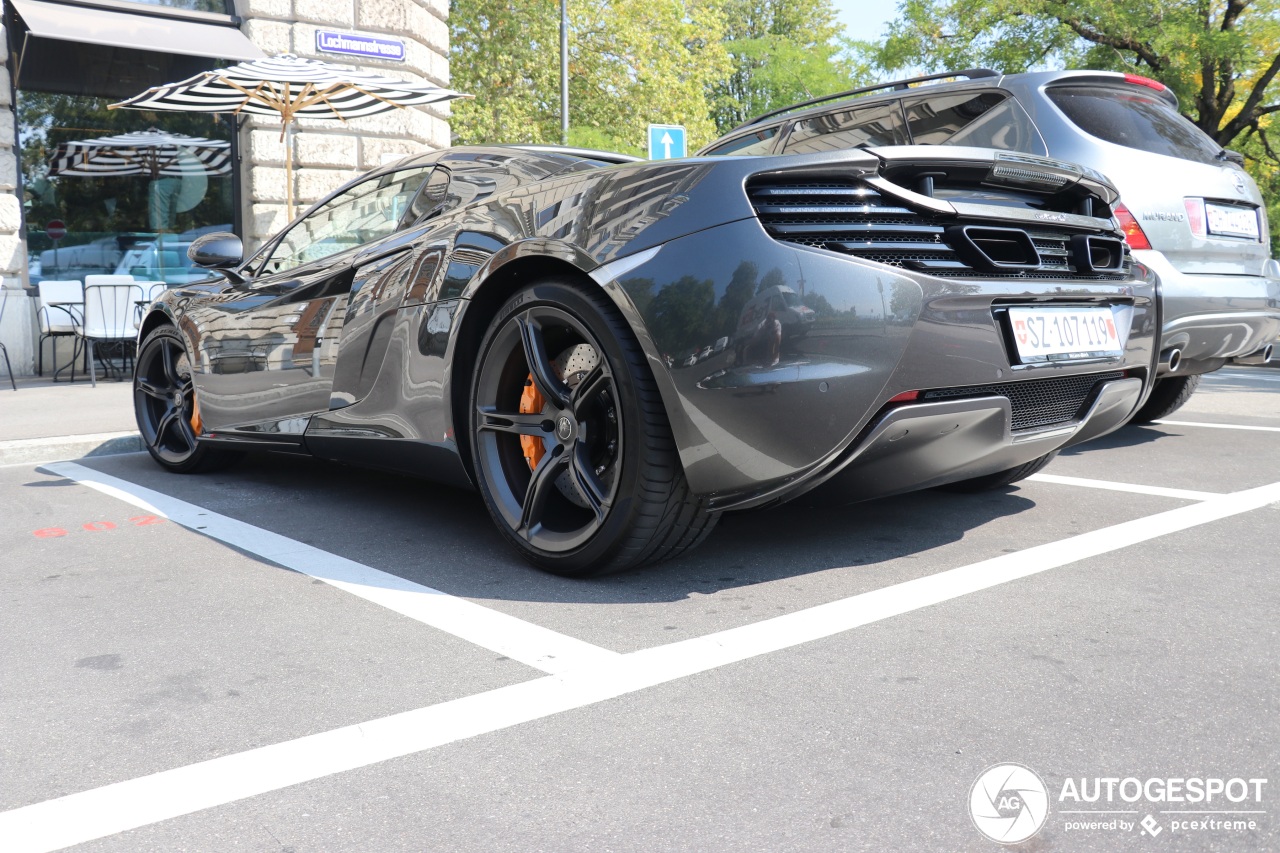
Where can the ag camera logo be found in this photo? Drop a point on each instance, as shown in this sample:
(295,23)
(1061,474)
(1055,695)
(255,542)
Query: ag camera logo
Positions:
(1008,803)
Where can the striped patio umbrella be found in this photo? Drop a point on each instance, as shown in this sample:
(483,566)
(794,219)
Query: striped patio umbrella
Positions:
(153,153)
(290,87)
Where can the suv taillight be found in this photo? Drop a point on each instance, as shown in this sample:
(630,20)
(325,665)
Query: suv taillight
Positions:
(1132,230)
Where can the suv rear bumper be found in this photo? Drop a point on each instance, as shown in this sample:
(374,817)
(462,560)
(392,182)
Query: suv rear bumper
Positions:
(1211,318)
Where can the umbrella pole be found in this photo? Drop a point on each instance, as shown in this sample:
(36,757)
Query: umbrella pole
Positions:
(288,169)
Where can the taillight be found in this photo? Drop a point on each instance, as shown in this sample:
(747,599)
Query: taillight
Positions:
(1145,81)
(1132,230)
(1195,215)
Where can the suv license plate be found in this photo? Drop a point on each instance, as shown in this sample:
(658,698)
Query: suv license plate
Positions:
(1228,221)
(1064,334)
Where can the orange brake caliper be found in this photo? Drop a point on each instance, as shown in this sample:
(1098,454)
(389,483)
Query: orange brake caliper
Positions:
(531,402)
(196,424)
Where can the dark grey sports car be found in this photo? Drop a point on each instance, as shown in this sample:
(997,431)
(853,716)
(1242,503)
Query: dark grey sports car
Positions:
(613,353)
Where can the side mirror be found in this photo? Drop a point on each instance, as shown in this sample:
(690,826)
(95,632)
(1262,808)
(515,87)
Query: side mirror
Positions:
(221,252)
(216,251)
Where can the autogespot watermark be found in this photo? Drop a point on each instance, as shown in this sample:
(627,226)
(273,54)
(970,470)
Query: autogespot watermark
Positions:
(1010,803)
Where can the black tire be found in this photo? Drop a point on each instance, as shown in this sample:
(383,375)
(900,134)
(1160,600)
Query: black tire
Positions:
(1168,395)
(164,405)
(607,492)
(1000,479)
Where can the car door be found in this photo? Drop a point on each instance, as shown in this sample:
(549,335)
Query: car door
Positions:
(267,348)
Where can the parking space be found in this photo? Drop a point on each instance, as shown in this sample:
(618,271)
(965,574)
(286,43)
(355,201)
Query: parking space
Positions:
(292,655)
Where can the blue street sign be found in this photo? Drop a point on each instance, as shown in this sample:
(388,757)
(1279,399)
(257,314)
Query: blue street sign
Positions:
(351,44)
(666,142)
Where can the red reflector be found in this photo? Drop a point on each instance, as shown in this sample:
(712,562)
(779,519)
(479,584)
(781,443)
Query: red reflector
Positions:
(1132,230)
(906,397)
(1145,81)
(1195,215)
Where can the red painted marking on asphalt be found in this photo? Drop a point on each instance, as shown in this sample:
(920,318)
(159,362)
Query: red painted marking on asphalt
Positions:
(99,526)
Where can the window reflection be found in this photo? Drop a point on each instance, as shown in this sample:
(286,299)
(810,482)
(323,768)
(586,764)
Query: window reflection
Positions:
(139,225)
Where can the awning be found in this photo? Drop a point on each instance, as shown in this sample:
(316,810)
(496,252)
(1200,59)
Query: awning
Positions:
(116,54)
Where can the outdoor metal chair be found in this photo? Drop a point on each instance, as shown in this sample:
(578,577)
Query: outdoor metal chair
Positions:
(4,302)
(151,291)
(110,308)
(59,314)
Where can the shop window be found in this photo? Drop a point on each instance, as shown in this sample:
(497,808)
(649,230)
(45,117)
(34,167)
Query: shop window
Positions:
(134,224)
(220,7)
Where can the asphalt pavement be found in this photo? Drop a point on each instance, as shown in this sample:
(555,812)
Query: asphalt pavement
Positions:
(292,655)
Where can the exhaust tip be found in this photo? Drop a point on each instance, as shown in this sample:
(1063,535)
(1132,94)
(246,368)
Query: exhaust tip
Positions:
(1170,360)
(1262,356)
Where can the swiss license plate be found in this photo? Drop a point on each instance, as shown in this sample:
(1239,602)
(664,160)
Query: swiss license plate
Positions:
(1230,221)
(1064,334)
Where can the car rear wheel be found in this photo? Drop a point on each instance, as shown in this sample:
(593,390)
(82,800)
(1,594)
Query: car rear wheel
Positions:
(1169,394)
(570,444)
(164,403)
(1000,479)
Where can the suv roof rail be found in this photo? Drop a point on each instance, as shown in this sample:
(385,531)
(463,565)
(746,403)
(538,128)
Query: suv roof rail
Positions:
(971,73)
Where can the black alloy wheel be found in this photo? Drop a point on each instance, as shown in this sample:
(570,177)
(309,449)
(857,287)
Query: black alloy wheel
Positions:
(165,406)
(570,444)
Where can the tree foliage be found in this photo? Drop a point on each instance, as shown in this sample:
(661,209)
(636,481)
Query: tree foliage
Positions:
(631,63)
(783,51)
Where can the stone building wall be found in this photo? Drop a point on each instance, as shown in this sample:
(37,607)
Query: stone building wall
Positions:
(326,154)
(17,321)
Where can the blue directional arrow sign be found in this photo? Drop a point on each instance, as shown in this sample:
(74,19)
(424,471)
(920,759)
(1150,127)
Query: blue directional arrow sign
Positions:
(666,142)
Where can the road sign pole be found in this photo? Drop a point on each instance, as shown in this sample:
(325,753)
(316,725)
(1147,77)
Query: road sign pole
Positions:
(564,72)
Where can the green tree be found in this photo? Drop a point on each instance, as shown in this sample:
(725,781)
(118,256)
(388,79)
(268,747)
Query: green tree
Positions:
(506,54)
(783,51)
(632,63)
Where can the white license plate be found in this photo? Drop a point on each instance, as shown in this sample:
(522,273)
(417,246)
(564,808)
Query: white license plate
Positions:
(1232,221)
(1064,334)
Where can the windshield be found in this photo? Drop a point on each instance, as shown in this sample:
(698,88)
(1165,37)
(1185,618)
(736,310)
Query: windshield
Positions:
(1135,119)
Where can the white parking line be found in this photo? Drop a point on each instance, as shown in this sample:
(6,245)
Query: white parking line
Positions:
(100,812)
(1159,491)
(1218,426)
(1242,374)
(523,641)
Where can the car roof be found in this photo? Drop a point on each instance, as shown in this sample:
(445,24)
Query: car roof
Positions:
(946,81)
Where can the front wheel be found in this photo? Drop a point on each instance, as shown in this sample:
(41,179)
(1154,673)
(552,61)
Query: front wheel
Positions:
(164,403)
(570,444)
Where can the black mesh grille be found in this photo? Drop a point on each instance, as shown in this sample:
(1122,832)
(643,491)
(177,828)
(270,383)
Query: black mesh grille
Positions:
(856,220)
(1036,402)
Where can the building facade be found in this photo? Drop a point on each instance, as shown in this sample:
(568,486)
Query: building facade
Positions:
(67,60)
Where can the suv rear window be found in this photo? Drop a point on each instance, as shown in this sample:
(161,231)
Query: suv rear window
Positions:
(1134,119)
(990,119)
(876,125)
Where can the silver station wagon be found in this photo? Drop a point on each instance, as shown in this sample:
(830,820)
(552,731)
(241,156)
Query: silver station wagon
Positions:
(1189,211)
